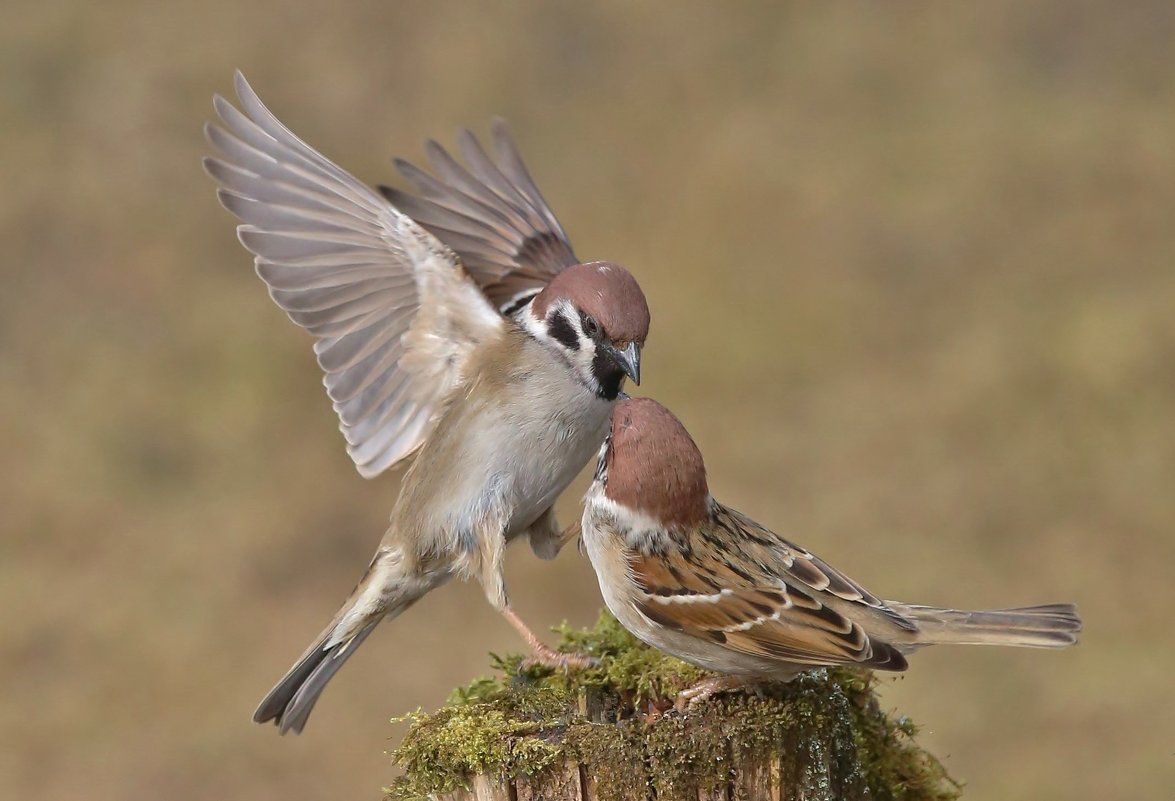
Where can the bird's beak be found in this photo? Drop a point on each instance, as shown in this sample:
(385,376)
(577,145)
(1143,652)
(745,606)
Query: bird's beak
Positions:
(629,360)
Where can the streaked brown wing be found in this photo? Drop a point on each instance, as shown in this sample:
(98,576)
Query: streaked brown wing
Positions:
(490,213)
(766,598)
(766,547)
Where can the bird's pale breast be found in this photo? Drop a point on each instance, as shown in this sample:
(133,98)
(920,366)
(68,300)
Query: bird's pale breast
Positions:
(522,429)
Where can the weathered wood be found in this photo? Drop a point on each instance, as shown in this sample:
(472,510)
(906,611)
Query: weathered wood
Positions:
(483,787)
(756,779)
(560,782)
(606,735)
(592,789)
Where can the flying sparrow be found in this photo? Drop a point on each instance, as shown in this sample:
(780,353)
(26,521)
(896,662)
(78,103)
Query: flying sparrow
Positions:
(484,349)
(709,585)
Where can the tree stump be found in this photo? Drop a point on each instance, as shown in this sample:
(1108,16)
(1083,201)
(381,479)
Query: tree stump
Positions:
(611,734)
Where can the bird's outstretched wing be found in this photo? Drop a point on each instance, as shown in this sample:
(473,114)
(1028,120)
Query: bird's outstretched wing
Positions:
(767,598)
(394,313)
(491,213)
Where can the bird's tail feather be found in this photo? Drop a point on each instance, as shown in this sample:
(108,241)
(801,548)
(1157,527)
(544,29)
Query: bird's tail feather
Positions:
(1046,626)
(290,702)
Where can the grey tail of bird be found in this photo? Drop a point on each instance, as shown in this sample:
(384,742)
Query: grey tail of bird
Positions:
(1047,626)
(289,703)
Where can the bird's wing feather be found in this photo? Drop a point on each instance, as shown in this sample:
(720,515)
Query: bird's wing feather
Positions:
(394,313)
(768,598)
(491,213)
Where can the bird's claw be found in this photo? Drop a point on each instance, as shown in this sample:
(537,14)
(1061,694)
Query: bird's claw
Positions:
(698,693)
(557,660)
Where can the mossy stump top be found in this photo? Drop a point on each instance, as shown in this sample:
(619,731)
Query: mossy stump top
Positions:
(610,733)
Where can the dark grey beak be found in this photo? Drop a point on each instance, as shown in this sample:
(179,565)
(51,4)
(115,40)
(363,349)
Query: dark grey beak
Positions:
(629,360)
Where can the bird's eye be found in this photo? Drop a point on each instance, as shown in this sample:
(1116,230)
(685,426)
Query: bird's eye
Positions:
(590,326)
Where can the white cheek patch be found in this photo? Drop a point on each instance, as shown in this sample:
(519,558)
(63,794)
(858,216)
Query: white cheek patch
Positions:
(536,328)
(582,356)
(583,359)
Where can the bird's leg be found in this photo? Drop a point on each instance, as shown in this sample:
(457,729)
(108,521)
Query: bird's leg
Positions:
(541,653)
(493,581)
(697,693)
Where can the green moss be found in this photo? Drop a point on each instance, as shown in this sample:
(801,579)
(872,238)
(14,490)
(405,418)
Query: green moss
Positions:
(826,729)
(891,761)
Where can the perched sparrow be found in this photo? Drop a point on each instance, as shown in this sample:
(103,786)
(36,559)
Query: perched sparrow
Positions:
(496,365)
(707,584)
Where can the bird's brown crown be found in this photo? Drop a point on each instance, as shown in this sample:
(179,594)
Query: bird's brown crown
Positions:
(607,292)
(653,465)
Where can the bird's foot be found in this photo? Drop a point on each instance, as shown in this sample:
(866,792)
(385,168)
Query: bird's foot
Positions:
(698,693)
(541,653)
(557,660)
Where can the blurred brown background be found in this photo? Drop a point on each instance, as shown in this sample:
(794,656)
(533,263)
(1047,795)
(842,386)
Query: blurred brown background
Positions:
(912,272)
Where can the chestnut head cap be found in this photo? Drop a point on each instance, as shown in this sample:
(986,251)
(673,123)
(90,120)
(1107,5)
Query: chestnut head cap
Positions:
(653,465)
(604,291)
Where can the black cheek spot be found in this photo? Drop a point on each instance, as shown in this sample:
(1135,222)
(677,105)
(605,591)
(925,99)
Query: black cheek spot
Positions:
(560,328)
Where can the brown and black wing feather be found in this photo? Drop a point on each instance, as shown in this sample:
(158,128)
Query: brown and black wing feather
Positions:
(491,213)
(766,598)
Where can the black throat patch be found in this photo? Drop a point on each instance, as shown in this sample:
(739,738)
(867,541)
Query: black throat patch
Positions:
(609,375)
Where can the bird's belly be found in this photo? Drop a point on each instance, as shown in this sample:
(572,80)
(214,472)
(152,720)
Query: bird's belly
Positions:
(519,463)
(550,452)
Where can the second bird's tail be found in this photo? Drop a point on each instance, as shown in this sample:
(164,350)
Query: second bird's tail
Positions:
(1047,626)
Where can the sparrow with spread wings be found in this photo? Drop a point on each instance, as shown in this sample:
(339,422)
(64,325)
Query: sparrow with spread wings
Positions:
(456,327)
(708,585)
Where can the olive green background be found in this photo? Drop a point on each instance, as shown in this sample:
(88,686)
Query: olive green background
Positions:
(912,275)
